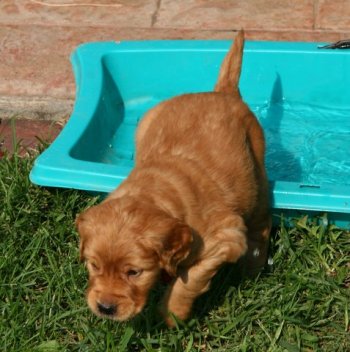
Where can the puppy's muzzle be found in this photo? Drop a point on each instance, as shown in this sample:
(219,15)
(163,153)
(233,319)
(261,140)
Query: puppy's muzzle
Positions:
(107,308)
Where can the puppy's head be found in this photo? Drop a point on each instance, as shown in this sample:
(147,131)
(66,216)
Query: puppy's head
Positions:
(125,244)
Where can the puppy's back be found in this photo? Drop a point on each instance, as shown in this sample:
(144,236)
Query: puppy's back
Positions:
(178,112)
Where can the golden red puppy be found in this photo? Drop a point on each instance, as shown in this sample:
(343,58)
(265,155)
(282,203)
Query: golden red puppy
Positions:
(196,198)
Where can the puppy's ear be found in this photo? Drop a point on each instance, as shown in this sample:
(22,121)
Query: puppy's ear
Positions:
(176,248)
(79,224)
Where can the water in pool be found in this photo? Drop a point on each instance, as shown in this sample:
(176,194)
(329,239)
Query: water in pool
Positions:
(305,144)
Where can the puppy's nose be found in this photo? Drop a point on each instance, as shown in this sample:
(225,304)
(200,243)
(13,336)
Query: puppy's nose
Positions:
(106,308)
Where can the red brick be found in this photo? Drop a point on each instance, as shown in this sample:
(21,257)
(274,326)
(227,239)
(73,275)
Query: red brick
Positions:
(235,14)
(25,134)
(104,13)
(334,15)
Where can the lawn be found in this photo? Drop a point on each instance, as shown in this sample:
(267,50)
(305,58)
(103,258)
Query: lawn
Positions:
(302,303)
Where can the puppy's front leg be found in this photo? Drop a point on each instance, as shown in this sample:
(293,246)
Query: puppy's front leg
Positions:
(228,245)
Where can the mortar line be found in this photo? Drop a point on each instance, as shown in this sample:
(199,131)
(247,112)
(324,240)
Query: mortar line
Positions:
(154,17)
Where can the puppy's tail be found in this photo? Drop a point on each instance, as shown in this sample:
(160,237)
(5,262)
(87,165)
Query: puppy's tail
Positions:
(231,67)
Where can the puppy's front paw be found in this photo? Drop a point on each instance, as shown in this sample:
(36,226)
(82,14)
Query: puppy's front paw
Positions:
(173,305)
(176,313)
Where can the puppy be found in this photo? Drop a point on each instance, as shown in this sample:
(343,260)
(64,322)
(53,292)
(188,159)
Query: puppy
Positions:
(196,198)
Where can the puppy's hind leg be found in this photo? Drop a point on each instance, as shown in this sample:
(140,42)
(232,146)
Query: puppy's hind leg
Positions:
(258,245)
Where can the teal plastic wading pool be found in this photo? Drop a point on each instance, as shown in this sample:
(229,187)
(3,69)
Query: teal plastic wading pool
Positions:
(300,94)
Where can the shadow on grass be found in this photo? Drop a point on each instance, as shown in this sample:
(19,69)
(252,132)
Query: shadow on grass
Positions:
(228,277)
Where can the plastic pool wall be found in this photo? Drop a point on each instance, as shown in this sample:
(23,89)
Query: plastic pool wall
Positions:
(299,93)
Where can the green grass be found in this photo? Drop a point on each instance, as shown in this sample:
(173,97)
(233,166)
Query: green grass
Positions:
(301,304)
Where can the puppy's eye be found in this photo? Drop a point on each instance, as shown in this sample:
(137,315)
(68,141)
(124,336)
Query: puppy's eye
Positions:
(134,272)
(94,266)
